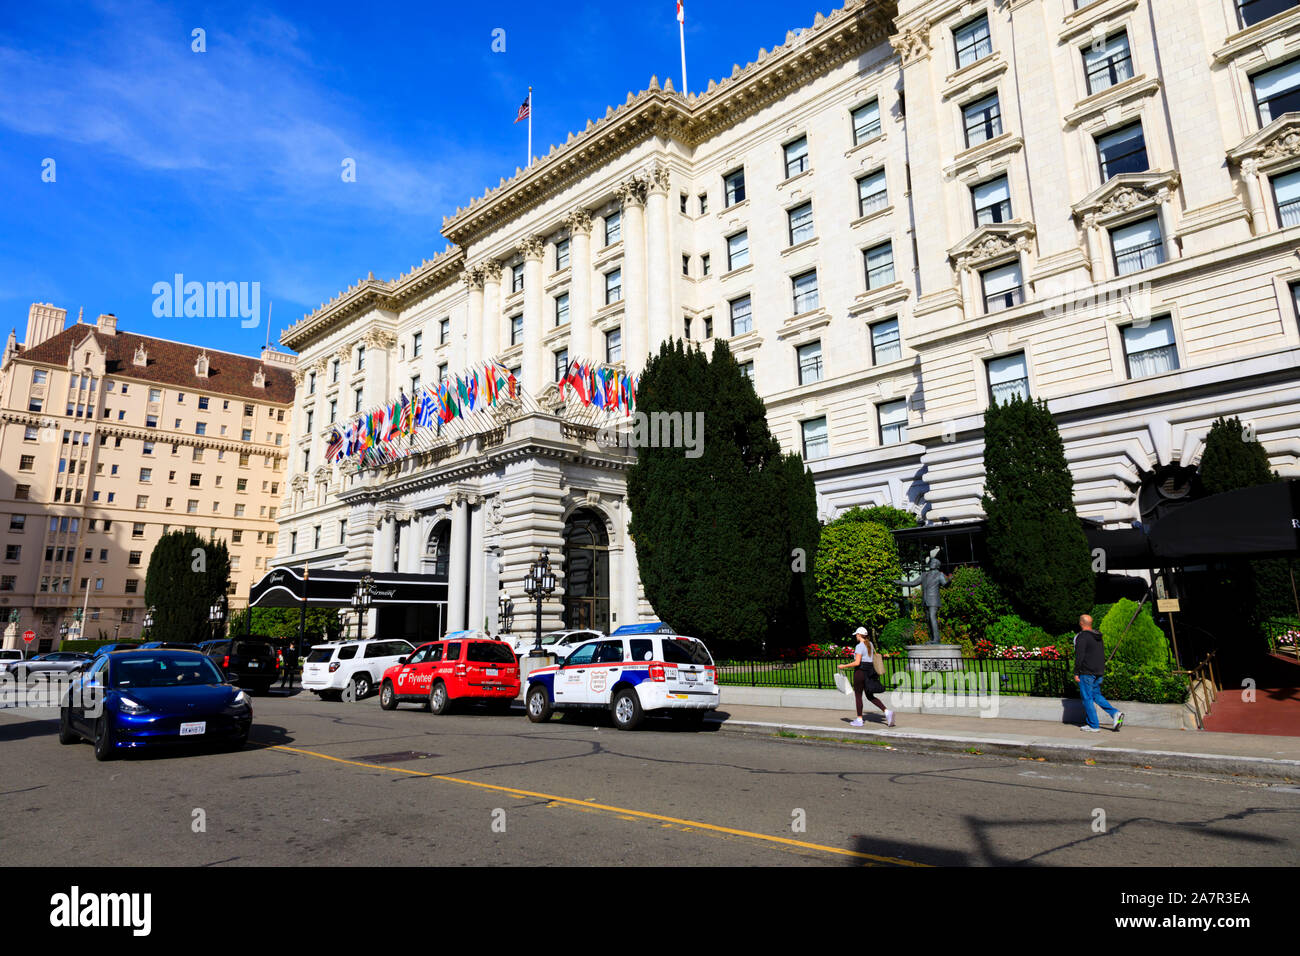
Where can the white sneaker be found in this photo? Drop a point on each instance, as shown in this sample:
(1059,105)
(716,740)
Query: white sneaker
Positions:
(889,718)
(1090,730)
(856,723)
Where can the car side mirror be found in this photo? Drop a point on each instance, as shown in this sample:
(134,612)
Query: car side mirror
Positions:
(401,661)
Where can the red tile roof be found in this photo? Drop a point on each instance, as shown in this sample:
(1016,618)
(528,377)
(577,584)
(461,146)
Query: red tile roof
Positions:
(170,363)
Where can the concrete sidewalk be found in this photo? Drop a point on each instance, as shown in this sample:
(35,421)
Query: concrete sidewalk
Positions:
(1272,759)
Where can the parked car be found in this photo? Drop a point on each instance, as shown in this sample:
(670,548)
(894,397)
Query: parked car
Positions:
(354,667)
(631,676)
(245,662)
(110,648)
(9,657)
(63,662)
(168,645)
(140,699)
(559,643)
(463,666)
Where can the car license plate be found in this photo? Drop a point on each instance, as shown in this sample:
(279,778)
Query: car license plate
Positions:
(492,672)
(690,675)
(254,664)
(193,729)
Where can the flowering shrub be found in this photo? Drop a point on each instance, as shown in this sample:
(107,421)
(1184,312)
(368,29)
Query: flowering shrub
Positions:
(985,648)
(1289,638)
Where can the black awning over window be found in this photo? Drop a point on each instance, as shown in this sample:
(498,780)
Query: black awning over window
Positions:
(283,587)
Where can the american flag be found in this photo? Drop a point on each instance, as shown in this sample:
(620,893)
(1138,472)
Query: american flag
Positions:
(525,110)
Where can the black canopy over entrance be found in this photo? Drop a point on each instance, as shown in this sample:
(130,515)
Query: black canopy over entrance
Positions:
(1259,522)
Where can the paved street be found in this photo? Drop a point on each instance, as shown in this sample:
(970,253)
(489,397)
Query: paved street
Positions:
(336,783)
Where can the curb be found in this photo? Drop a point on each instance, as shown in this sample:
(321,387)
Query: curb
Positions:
(1255,768)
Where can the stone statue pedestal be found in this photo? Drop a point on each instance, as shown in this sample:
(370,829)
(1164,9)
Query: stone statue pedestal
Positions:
(527,664)
(922,658)
(12,640)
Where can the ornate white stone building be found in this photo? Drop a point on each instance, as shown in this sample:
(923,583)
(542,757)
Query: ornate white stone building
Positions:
(896,216)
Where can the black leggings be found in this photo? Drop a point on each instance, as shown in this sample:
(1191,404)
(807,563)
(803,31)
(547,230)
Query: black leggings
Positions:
(860,689)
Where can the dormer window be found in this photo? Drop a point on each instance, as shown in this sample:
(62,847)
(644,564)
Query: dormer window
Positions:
(141,356)
(259,379)
(201,365)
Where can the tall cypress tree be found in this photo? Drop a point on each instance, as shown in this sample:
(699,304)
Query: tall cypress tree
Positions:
(186,575)
(715,533)
(1037,548)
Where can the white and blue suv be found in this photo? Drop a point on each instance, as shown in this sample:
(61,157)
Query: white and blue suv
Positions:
(639,669)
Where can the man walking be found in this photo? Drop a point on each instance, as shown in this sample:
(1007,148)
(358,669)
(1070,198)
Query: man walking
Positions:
(1089,670)
(290,664)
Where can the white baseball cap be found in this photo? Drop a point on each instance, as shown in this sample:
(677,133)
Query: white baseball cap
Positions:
(860,632)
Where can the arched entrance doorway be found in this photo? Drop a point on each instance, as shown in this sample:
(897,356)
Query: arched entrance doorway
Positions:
(586,571)
(437,550)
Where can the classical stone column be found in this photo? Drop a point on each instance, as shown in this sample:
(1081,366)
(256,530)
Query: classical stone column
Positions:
(477,563)
(580,341)
(534,371)
(1250,178)
(629,576)
(658,293)
(378,344)
(491,270)
(476,323)
(387,542)
(635,331)
(456,563)
(1096,246)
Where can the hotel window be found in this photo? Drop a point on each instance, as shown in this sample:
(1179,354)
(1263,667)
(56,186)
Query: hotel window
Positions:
(205,402)
(810,363)
(866,122)
(893,422)
(872,193)
(684,201)
(311,414)
(1256,11)
(879,264)
(562,255)
(992,201)
(737,251)
(293,542)
(361,357)
(747,369)
(1277,91)
(27,463)
(1295,302)
(613,227)
(1137,246)
(442,371)
(1286,193)
(801,223)
(704,264)
(343,532)
(613,286)
(973,41)
(516,329)
(155,394)
(32,433)
(17,522)
(356,407)
(239,511)
(22,492)
(517,278)
(246,434)
(796,157)
(805,292)
(686,265)
(133,558)
(128,613)
(311,383)
(444,331)
(562,308)
(614,346)
(1003,287)
(334,409)
(35,404)
(1107,64)
(40,376)
(415,385)
(141,502)
(815,443)
(192,506)
(306,459)
(248,411)
(1122,151)
(704,203)
(196,479)
(983,120)
(561,364)
(8,582)
(1150,350)
(886,346)
(742,315)
(733,187)
(146,474)
(417,345)
(1008,378)
(708,327)
(334,374)
(151,421)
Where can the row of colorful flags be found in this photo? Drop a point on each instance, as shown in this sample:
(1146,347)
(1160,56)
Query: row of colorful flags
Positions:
(610,389)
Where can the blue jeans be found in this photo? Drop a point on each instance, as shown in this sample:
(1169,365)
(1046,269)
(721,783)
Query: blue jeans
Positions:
(1090,691)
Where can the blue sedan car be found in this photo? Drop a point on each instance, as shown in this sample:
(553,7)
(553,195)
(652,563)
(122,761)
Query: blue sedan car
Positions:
(129,700)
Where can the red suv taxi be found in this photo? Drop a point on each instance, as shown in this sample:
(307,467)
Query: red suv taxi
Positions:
(463,666)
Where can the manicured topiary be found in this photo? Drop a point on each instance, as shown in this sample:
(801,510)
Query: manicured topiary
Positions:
(974,600)
(857,565)
(1142,644)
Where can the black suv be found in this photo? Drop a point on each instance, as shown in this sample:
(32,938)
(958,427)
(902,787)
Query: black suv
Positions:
(245,662)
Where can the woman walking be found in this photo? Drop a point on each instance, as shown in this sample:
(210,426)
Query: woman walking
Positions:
(865,681)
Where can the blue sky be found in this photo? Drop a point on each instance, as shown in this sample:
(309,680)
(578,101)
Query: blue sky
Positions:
(225,166)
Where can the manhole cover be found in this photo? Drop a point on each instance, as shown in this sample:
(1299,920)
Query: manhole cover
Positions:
(400,757)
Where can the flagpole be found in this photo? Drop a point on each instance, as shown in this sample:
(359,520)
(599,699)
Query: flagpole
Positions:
(530,127)
(681,32)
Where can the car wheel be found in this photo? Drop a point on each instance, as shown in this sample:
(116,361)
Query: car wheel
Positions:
(66,734)
(539,705)
(103,740)
(438,700)
(387,699)
(626,710)
(360,686)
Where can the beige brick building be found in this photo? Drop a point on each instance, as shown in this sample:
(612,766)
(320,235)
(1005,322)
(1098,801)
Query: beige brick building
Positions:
(900,214)
(110,439)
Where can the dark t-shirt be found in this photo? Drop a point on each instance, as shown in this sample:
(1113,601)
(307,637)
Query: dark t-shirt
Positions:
(1089,654)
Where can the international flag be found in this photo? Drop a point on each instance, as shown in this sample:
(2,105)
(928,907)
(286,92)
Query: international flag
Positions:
(526,108)
(335,445)
(405,417)
(681,12)
(426,409)
(471,389)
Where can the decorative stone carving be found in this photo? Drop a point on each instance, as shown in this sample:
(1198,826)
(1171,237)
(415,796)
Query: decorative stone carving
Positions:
(911,45)
(532,248)
(344,354)
(259,378)
(579,220)
(632,193)
(992,242)
(658,178)
(380,339)
(1284,146)
(141,356)
(297,377)
(1250,167)
(474,278)
(491,270)
(201,365)
(495,514)
(1125,199)
(320,365)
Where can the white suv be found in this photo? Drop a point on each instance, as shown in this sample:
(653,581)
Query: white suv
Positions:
(630,675)
(350,669)
(559,643)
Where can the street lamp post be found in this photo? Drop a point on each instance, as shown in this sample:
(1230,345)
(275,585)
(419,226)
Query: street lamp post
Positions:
(217,614)
(147,624)
(506,614)
(539,584)
(63,632)
(362,599)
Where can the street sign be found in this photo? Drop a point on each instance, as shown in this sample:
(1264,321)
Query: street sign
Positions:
(1165,605)
(29,636)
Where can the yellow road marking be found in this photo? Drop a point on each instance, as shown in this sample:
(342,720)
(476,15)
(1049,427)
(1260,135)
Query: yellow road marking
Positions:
(619,811)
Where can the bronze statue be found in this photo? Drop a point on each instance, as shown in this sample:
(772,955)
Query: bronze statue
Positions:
(929,582)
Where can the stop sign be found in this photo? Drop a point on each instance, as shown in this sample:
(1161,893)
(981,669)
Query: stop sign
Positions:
(29,636)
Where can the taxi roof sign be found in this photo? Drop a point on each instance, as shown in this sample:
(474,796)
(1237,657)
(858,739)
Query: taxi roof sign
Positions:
(651,627)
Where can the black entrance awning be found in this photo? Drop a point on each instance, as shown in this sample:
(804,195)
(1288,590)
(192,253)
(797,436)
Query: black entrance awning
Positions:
(1124,549)
(329,587)
(1262,522)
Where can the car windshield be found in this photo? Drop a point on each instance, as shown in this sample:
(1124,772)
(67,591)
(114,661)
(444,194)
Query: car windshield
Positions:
(252,649)
(684,650)
(485,652)
(319,655)
(164,670)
